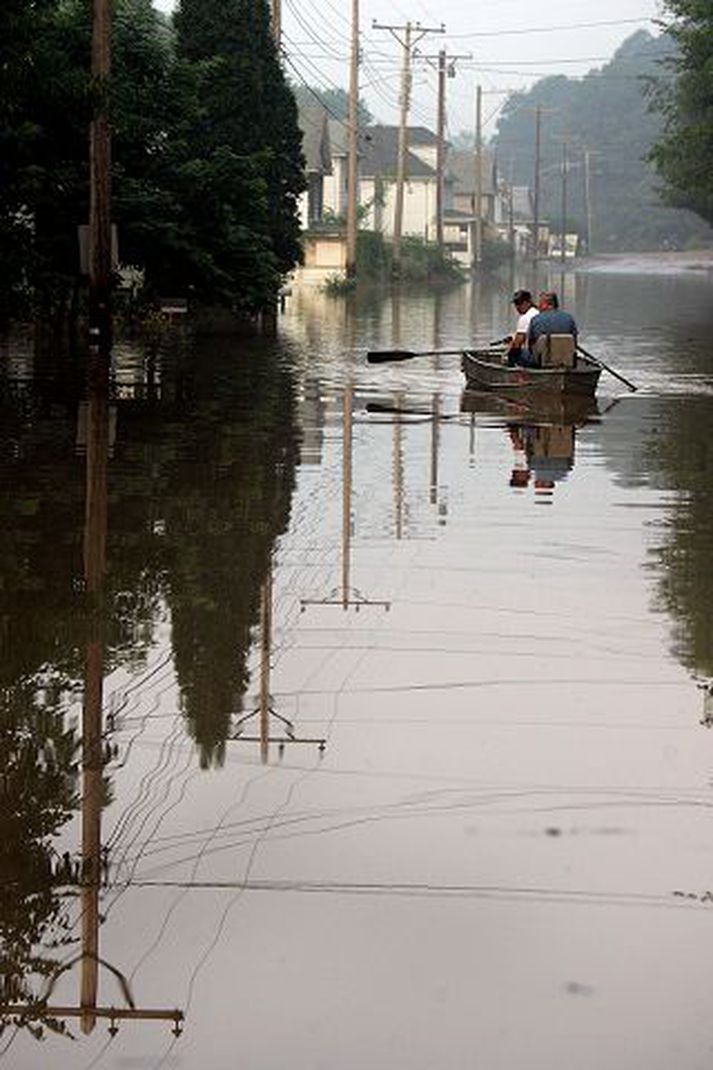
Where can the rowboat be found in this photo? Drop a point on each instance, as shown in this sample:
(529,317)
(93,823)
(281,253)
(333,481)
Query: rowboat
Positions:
(482,372)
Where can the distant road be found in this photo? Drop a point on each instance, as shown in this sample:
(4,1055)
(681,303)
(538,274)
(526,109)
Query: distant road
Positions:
(660,263)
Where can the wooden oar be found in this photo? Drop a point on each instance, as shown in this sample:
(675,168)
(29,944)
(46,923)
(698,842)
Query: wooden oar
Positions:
(384,356)
(600,364)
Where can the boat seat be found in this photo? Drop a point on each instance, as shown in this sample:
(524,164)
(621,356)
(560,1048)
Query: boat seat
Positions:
(556,350)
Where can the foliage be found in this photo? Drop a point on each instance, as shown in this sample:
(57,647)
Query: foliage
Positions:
(683,155)
(421,260)
(495,253)
(204,189)
(335,101)
(38,756)
(627,212)
(337,285)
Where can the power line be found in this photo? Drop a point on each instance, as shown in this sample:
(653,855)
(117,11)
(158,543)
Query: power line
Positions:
(551,29)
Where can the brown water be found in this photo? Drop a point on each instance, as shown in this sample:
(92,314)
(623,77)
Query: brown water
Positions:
(395,741)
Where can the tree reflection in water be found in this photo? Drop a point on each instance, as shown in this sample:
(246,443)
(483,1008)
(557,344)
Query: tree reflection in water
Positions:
(199,486)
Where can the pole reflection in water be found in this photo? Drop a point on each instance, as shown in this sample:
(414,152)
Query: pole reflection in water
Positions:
(265,710)
(93,863)
(95,526)
(397,465)
(346,596)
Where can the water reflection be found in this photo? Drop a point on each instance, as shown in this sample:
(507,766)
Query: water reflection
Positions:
(40,885)
(542,432)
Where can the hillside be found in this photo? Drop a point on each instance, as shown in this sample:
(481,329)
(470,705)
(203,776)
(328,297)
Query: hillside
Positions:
(606,112)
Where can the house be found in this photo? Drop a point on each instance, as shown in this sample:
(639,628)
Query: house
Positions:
(378,167)
(316,149)
(336,182)
(460,215)
(323,238)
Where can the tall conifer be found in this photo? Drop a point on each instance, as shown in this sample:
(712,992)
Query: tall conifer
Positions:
(246,124)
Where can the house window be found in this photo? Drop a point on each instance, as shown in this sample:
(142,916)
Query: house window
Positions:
(315,199)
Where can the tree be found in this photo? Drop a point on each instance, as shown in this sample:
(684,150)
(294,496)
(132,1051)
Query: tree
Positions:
(336,102)
(627,210)
(684,155)
(241,150)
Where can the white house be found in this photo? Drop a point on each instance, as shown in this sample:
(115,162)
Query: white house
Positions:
(378,166)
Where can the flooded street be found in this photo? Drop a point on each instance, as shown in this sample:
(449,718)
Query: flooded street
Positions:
(393,698)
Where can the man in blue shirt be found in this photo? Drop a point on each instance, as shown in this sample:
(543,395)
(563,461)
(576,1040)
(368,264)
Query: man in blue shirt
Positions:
(551,320)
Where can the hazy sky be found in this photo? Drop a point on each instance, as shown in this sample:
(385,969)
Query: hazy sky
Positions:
(565,40)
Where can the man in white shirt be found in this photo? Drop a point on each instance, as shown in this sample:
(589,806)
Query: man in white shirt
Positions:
(518,350)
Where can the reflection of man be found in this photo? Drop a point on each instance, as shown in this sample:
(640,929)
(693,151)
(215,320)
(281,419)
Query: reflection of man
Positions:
(519,350)
(520,475)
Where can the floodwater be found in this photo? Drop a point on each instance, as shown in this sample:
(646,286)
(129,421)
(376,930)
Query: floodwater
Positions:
(393,700)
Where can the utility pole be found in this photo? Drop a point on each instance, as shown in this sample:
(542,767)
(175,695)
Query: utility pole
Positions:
(511,208)
(276,18)
(539,112)
(446,69)
(588,153)
(100,259)
(563,231)
(441,145)
(478,176)
(412,33)
(353,163)
(536,193)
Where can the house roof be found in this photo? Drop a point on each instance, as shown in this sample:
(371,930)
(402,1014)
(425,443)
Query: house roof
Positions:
(312,119)
(462,172)
(338,135)
(380,151)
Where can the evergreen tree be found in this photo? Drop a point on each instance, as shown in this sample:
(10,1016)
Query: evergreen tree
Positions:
(684,155)
(244,142)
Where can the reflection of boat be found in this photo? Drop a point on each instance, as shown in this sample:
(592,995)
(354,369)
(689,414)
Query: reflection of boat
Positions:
(483,372)
(531,406)
(542,431)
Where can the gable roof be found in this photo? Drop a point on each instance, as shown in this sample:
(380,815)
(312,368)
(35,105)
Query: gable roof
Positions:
(380,145)
(338,136)
(462,171)
(312,120)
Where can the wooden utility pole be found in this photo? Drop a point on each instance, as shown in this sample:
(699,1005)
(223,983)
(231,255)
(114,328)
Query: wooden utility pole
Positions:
(536,192)
(412,33)
(511,209)
(276,19)
(403,149)
(353,160)
(588,153)
(563,225)
(478,176)
(100,258)
(440,145)
(446,69)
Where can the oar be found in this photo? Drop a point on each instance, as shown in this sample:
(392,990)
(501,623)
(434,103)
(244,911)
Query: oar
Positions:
(382,356)
(600,364)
